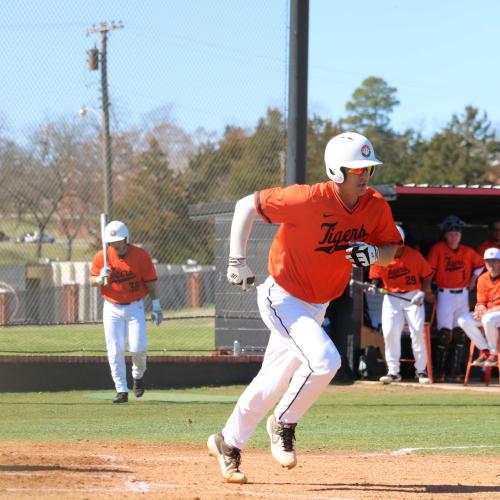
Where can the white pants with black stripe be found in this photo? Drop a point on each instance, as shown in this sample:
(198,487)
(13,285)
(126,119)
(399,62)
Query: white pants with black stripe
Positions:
(125,326)
(300,361)
(395,312)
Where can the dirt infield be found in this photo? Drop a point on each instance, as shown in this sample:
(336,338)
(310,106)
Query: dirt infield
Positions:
(86,470)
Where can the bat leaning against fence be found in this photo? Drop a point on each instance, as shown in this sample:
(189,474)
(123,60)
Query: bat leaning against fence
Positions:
(372,289)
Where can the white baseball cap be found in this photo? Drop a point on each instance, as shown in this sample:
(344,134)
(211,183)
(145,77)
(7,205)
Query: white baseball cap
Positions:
(492,253)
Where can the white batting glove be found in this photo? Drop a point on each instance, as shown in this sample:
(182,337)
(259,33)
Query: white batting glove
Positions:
(103,277)
(362,254)
(418,299)
(157,313)
(238,273)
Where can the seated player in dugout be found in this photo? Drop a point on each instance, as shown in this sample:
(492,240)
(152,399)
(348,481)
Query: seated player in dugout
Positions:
(486,313)
(456,269)
(493,240)
(409,277)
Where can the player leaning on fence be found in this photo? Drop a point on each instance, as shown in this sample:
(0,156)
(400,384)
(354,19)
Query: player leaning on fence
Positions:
(128,277)
(324,229)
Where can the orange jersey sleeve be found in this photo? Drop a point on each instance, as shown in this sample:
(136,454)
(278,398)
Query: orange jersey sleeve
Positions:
(128,274)
(405,273)
(488,291)
(453,268)
(307,255)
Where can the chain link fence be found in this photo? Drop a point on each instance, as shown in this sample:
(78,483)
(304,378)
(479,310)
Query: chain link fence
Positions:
(53,183)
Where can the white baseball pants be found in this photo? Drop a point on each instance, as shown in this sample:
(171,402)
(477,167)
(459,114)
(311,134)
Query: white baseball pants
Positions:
(450,305)
(300,361)
(125,326)
(490,323)
(395,313)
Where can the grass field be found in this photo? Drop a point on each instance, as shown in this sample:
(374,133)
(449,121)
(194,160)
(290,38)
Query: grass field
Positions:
(186,336)
(366,417)
(15,253)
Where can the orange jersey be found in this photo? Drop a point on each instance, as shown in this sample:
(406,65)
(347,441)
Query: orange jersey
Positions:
(488,290)
(453,268)
(485,245)
(307,256)
(128,274)
(405,273)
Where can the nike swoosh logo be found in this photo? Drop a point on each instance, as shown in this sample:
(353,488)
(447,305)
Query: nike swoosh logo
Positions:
(327,215)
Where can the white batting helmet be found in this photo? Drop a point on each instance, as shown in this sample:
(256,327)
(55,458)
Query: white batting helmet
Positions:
(115,231)
(350,150)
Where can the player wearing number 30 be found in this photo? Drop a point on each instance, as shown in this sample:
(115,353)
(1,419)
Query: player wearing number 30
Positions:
(324,229)
(130,276)
(409,275)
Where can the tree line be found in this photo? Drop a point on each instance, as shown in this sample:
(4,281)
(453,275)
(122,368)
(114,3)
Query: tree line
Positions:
(160,170)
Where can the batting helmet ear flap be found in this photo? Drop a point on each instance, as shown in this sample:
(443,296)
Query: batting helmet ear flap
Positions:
(337,175)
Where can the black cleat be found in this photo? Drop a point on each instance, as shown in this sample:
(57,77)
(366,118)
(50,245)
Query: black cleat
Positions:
(121,397)
(138,387)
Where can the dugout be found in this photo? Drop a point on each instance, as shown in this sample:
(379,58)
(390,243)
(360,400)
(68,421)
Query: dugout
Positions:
(420,208)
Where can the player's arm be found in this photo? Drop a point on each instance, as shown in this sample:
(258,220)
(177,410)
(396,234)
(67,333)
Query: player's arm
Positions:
(157,313)
(98,273)
(386,254)
(478,268)
(238,271)
(426,288)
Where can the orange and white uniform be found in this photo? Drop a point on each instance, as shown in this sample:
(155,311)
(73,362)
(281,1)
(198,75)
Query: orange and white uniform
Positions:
(403,276)
(453,270)
(308,268)
(307,256)
(123,311)
(488,294)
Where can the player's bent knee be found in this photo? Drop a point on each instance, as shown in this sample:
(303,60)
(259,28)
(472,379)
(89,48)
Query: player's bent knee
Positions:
(328,363)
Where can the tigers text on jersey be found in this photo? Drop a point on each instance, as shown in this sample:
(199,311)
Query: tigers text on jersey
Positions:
(128,274)
(405,273)
(488,290)
(307,256)
(453,268)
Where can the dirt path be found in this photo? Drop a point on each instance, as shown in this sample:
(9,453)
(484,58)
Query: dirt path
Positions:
(88,470)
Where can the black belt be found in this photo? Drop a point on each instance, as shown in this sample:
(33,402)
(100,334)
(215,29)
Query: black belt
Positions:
(460,290)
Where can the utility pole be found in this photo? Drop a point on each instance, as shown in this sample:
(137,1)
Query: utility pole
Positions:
(297,92)
(103,29)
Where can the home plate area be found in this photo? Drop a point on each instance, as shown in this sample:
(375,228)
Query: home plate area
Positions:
(86,469)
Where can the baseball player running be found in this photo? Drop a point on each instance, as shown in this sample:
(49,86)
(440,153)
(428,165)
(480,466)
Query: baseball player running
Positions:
(486,313)
(456,268)
(325,228)
(130,276)
(409,275)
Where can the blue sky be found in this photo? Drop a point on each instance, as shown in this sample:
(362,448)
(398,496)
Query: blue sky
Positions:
(217,62)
